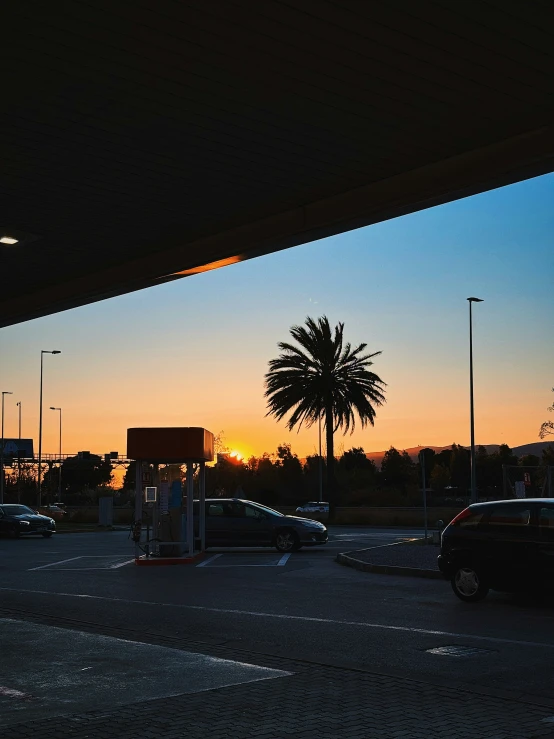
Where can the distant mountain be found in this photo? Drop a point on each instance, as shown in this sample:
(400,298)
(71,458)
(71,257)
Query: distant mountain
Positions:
(533,448)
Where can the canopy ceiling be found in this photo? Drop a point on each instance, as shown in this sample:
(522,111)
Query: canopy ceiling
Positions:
(148,140)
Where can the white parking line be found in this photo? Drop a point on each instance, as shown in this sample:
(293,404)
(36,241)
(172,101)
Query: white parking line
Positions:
(207,561)
(122,564)
(290,617)
(53,564)
(283,561)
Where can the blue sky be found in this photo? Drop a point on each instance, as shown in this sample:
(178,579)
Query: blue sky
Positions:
(194,352)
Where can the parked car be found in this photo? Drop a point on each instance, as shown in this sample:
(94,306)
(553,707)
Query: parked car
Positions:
(316,508)
(53,511)
(19,520)
(242,523)
(505,545)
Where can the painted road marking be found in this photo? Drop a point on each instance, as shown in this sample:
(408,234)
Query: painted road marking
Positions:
(11,693)
(106,566)
(122,564)
(207,561)
(53,564)
(283,561)
(288,617)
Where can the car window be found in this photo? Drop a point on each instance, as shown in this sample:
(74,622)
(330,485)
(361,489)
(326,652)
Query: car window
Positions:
(215,509)
(546,522)
(510,519)
(252,512)
(471,521)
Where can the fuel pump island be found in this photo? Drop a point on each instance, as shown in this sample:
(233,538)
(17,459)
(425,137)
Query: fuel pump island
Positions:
(166,530)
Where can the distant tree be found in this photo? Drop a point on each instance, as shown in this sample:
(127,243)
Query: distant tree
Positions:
(547,427)
(355,459)
(460,467)
(289,471)
(85,473)
(547,457)
(440,478)
(429,458)
(397,469)
(529,460)
(323,377)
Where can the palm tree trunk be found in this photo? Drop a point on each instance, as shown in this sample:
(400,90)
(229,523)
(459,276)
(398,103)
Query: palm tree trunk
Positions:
(331,481)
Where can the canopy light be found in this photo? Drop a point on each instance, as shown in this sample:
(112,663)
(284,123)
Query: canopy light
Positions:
(8,240)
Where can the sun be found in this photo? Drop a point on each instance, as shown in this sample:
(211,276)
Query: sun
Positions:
(236,455)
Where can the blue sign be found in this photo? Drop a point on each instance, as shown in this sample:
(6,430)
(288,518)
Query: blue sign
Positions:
(176,494)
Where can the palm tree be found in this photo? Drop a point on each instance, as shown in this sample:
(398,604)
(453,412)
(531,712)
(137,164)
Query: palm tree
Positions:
(323,378)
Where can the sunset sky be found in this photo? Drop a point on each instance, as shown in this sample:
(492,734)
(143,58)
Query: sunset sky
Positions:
(194,352)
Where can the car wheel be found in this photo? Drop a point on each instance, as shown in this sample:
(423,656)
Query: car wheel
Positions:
(469,584)
(47,534)
(286,541)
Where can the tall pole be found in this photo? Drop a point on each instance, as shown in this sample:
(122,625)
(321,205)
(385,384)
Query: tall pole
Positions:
(42,353)
(4,392)
(320,465)
(422,463)
(19,459)
(60,455)
(471,408)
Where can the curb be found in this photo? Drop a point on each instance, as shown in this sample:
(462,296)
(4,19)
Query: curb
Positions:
(358,564)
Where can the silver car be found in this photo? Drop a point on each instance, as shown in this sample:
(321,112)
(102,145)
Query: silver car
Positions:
(314,508)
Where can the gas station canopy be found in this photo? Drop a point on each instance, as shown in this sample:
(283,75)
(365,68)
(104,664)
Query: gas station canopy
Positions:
(148,140)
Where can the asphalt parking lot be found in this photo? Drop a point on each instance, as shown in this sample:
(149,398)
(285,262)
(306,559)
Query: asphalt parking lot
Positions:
(256,607)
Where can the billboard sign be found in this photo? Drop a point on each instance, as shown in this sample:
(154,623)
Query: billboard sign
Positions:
(17,449)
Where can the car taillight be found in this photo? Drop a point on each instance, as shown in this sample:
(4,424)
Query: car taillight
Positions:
(466,513)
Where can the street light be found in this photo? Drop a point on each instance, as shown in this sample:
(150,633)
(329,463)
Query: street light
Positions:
(60,467)
(471,413)
(19,458)
(42,353)
(4,392)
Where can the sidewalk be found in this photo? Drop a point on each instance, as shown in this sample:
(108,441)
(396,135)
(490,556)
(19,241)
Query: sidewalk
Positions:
(314,702)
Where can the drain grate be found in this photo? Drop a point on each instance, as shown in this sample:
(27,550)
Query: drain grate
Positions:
(458,651)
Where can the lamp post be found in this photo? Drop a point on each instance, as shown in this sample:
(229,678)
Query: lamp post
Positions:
(60,467)
(4,392)
(19,458)
(471,411)
(42,353)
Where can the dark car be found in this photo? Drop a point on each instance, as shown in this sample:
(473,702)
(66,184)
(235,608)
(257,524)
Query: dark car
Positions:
(18,520)
(242,523)
(505,545)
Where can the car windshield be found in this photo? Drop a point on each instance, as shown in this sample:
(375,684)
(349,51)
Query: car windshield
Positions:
(16,510)
(266,509)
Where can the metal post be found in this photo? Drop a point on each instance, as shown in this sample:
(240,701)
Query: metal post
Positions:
(471,411)
(42,353)
(60,467)
(138,500)
(202,506)
(19,460)
(4,392)
(190,508)
(39,497)
(422,462)
(320,464)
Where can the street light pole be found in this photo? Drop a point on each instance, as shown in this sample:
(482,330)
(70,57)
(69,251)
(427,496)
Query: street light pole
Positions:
(19,458)
(42,353)
(4,392)
(60,466)
(471,410)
